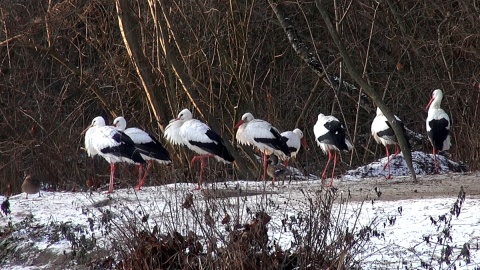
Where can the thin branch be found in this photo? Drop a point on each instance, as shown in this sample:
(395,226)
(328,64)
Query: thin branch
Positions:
(313,93)
(377,99)
(309,57)
(188,86)
(131,39)
(82,75)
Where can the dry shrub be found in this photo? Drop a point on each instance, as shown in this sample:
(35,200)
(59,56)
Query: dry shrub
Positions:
(199,237)
(172,251)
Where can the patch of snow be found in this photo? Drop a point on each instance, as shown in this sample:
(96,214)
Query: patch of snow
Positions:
(423,164)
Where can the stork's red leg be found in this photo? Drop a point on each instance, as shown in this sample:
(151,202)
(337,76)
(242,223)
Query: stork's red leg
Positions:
(334,165)
(397,150)
(140,175)
(324,174)
(202,165)
(194,159)
(388,163)
(200,179)
(435,170)
(141,182)
(112,173)
(388,157)
(285,163)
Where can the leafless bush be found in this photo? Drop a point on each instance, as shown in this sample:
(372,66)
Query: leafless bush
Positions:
(444,241)
(239,233)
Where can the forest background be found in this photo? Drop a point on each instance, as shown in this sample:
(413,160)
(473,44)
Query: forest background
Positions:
(64,62)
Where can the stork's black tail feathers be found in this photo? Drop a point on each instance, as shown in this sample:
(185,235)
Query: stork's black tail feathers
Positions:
(126,148)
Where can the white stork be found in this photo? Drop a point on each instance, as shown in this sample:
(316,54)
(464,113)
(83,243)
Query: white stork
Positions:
(383,134)
(198,137)
(111,144)
(149,147)
(330,135)
(438,125)
(263,136)
(295,140)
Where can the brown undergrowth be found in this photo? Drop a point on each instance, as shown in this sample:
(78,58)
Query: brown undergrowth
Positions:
(218,234)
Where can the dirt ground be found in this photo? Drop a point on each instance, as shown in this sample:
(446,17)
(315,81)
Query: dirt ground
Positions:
(445,185)
(402,188)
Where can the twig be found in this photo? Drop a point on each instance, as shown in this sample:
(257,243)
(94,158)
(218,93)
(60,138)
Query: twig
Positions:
(368,89)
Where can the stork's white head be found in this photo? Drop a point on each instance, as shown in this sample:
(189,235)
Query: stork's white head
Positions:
(120,123)
(298,132)
(437,93)
(247,117)
(436,99)
(98,122)
(379,112)
(303,141)
(321,116)
(185,114)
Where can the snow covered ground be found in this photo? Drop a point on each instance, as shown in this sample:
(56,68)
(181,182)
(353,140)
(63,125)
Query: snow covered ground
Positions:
(405,225)
(422,165)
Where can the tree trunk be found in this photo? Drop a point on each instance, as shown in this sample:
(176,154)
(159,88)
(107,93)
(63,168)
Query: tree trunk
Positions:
(377,99)
(128,27)
(188,86)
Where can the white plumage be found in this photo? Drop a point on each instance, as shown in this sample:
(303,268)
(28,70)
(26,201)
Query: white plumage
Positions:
(113,145)
(263,136)
(149,147)
(383,134)
(198,137)
(295,141)
(330,135)
(381,130)
(251,128)
(438,125)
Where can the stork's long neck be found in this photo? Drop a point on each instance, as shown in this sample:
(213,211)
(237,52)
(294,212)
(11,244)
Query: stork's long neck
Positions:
(177,123)
(172,132)
(436,103)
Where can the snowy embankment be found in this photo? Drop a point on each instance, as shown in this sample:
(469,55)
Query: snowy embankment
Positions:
(41,232)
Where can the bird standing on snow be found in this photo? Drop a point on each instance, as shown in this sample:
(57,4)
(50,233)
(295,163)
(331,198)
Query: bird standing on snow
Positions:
(149,147)
(111,144)
(263,136)
(438,125)
(31,185)
(295,140)
(383,133)
(330,135)
(198,137)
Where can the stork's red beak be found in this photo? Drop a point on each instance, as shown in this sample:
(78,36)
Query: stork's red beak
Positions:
(429,103)
(239,124)
(85,130)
